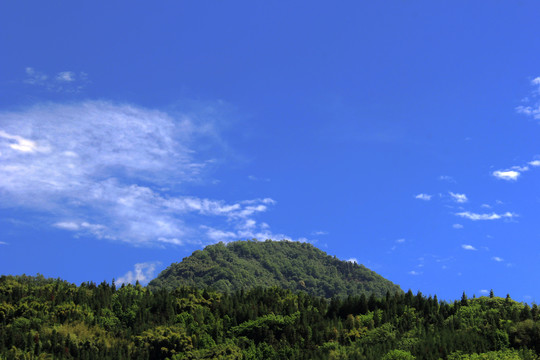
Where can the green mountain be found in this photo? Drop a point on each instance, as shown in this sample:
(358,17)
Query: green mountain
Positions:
(285,264)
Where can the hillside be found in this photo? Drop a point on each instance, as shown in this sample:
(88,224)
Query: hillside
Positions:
(289,265)
(53,319)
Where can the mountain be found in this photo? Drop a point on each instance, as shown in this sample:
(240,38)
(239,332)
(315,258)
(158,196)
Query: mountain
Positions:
(286,264)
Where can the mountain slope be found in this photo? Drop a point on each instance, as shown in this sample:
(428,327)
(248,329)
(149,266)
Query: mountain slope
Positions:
(290,265)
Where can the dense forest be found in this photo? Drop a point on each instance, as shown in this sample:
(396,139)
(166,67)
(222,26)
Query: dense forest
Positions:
(289,265)
(52,319)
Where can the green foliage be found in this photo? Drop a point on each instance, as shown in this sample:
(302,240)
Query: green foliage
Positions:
(52,319)
(289,265)
(495,355)
(398,355)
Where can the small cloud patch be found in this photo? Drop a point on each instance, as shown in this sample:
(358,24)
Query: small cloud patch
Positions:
(424,197)
(143,273)
(459,198)
(508,175)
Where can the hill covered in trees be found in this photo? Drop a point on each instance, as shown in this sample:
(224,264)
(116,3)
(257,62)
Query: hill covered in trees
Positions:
(53,319)
(285,264)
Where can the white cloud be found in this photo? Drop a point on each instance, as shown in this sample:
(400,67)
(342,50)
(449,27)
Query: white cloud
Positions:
(21,144)
(520,168)
(414,272)
(511,175)
(457,226)
(492,216)
(67,76)
(532,110)
(447,178)
(424,197)
(484,291)
(73,226)
(64,81)
(468,247)
(3,243)
(34,77)
(459,198)
(220,235)
(498,259)
(120,170)
(353,260)
(143,272)
(486,206)
(400,241)
(319,233)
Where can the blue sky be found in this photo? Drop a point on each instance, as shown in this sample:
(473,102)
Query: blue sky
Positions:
(402,135)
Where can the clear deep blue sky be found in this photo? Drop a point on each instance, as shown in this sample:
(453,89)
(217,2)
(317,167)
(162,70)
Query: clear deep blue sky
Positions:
(399,134)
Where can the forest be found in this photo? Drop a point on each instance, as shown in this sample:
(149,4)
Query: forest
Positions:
(44,318)
(290,265)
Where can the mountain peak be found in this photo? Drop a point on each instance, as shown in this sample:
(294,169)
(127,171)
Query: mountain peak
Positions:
(291,265)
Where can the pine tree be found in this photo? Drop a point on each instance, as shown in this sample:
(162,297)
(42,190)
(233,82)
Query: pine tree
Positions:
(464,300)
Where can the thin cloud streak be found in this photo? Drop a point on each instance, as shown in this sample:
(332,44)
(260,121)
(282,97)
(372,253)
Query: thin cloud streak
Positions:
(493,216)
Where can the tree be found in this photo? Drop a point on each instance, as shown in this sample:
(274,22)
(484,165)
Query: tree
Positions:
(464,301)
(398,355)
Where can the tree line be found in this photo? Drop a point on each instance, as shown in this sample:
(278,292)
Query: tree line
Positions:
(53,319)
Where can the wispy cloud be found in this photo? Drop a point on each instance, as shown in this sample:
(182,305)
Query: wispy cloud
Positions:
(498,259)
(66,76)
(533,108)
(400,241)
(245,229)
(143,273)
(457,226)
(21,144)
(255,178)
(117,172)
(3,243)
(468,247)
(447,178)
(353,260)
(424,197)
(492,216)
(414,272)
(459,198)
(319,233)
(63,81)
